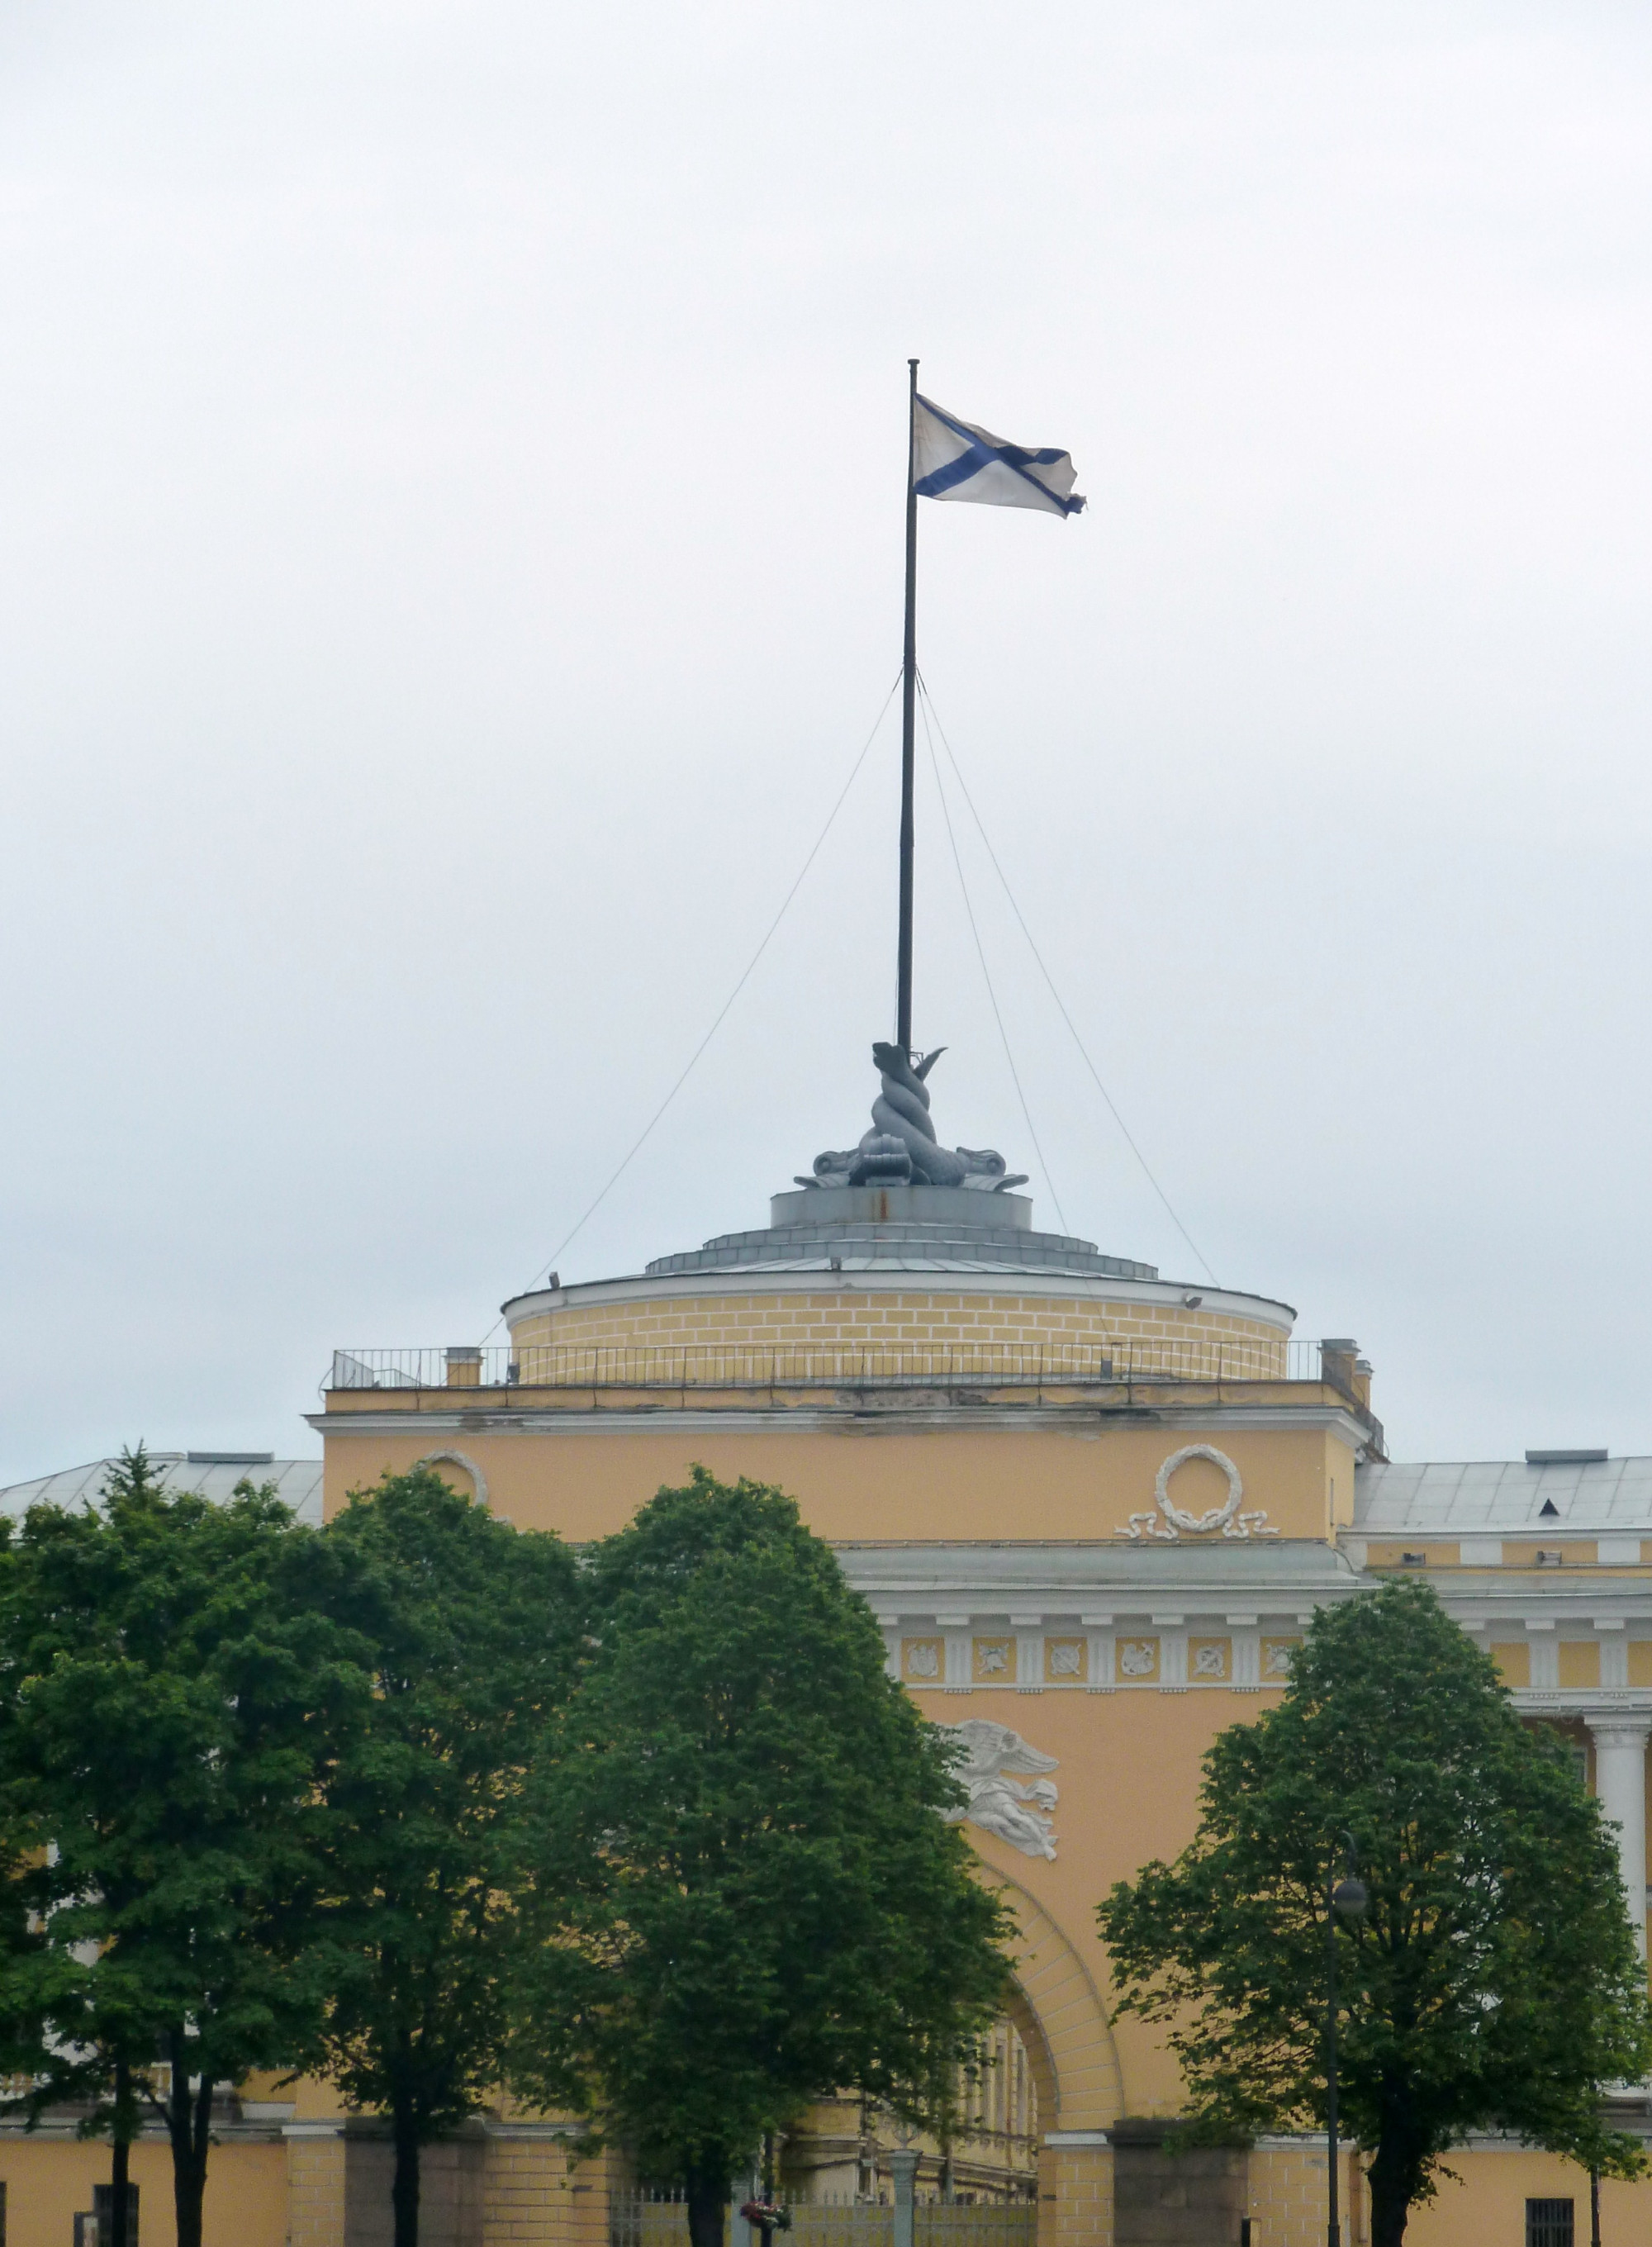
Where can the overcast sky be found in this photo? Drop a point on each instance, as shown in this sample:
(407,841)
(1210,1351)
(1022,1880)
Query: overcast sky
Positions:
(450,561)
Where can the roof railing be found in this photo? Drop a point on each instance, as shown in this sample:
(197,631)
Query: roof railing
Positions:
(705,1365)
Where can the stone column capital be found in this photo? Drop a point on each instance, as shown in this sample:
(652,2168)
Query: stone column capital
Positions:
(1615,1731)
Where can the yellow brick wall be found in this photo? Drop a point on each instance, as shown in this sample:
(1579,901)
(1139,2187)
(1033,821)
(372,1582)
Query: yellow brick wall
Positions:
(858,1318)
(1287,2196)
(1080,2212)
(537,2196)
(316,2191)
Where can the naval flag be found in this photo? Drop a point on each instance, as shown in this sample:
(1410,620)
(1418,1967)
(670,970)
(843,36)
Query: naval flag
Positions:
(954,459)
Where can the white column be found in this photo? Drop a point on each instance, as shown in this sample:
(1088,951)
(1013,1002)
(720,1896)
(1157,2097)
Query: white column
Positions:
(1620,1782)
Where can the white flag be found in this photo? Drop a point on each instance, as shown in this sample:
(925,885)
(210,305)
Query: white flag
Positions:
(954,459)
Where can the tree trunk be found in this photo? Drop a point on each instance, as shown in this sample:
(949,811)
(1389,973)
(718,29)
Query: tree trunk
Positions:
(1393,2187)
(120,2177)
(707,2206)
(189,2128)
(120,2167)
(404,2191)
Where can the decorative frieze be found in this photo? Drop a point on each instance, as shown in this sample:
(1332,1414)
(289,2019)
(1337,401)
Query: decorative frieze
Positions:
(1277,1654)
(1136,1659)
(1165,1651)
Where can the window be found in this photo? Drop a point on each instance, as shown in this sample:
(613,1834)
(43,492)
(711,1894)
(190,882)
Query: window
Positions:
(1413,1560)
(103,2198)
(1548,2224)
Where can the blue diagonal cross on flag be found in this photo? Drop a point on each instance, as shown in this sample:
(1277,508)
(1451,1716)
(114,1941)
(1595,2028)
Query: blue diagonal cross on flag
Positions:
(955,460)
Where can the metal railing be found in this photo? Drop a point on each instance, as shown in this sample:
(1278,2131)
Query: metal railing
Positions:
(714,1366)
(658,2219)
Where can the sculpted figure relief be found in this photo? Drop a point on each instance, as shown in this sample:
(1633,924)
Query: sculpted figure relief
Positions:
(985,1755)
(901,1148)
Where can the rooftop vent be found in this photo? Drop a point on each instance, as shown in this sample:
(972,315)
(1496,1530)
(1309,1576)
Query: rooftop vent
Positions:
(1574,1459)
(231,1459)
(1549,1508)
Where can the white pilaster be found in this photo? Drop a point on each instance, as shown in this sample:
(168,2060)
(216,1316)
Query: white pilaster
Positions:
(890,1625)
(1545,1657)
(1620,1782)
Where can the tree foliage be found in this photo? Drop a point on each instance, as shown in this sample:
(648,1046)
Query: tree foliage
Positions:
(1494,1982)
(743,1891)
(469,1629)
(169,1695)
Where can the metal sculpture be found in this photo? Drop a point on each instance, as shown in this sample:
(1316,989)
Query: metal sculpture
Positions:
(901,1148)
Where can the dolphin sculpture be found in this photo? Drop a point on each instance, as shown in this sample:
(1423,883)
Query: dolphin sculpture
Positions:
(901,1148)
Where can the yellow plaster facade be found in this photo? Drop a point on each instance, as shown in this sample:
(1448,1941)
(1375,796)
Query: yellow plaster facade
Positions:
(1095,1513)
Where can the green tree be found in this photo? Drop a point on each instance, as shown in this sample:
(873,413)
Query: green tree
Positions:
(1493,1982)
(744,1893)
(472,1629)
(170,1694)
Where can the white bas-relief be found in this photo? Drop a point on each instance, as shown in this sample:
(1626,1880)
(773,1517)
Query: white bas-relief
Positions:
(984,1756)
(1177,1523)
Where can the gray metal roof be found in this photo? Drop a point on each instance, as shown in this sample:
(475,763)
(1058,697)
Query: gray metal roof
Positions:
(868,1247)
(1502,1494)
(297,1482)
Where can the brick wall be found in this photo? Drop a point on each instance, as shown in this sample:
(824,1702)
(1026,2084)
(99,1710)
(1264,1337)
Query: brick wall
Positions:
(891,1319)
(1081,2213)
(536,2196)
(315,2190)
(1288,2196)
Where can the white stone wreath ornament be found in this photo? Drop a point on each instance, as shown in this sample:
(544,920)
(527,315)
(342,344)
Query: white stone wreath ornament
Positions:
(1176,1524)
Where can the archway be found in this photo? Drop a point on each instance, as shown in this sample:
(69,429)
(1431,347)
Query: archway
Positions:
(1059,2017)
(1057,2013)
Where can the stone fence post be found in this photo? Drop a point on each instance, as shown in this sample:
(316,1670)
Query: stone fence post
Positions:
(902,2167)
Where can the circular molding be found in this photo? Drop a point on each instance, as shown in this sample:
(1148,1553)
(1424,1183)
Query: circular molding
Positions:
(1218,1517)
(1175,1524)
(459,1459)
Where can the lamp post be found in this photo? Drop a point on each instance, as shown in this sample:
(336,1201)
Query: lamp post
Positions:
(1347,1897)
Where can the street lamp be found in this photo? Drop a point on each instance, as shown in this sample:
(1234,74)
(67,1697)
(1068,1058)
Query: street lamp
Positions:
(1346,1899)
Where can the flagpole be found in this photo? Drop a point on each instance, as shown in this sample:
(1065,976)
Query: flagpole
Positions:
(909,690)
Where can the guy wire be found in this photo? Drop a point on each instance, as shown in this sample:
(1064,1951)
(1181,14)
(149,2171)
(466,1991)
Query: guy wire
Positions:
(1060,1004)
(555,1257)
(980,954)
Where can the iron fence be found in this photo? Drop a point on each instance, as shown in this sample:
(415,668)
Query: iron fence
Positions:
(713,1366)
(659,2219)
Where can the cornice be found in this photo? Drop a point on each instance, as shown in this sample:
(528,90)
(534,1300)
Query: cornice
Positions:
(902,1418)
(928,1279)
(1629,1705)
